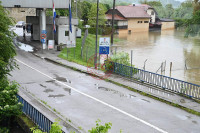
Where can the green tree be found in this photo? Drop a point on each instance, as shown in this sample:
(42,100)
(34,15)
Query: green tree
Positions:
(7,49)
(169,11)
(9,105)
(196,4)
(93,13)
(85,7)
(193,25)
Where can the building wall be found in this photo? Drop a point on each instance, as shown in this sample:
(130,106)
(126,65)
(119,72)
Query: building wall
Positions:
(135,26)
(19,14)
(62,38)
(168,25)
(153,17)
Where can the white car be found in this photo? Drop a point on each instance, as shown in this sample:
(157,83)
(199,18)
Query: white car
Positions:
(20,24)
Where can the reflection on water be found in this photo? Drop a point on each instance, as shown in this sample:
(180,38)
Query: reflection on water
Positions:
(25,47)
(161,46)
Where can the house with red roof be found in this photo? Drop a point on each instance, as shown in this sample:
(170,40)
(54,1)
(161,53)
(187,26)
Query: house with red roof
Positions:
(137,18)
(133,18)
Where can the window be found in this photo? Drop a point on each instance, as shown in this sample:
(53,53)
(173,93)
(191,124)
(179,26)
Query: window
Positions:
(129,31)
(146,21)
(66,33)
(152,12)
(139,21)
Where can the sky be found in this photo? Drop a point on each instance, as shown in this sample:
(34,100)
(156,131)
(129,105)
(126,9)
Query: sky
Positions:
(181,0)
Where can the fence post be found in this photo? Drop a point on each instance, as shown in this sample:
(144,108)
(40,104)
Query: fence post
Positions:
(86,53)
(74,52)
(131,57)
(170,69)
(67,53)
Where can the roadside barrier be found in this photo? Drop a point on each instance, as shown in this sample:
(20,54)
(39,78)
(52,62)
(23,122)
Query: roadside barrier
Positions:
(175,85)
(37,117)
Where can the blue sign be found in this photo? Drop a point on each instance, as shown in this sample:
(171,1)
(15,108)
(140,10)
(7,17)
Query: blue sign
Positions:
(103,50)
(44,32)
(43,41)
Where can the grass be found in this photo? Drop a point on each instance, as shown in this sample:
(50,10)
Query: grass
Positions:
(88,50)
(27,121)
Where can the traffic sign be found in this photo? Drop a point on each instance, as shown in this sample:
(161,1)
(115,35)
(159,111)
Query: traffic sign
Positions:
(43,36)
(43,40)
(103,50)
(44,32)
(104,45)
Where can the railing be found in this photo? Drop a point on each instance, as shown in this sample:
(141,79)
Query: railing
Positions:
(175,85)
(37,117)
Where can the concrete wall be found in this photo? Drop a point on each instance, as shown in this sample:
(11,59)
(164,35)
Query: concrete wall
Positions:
(134,26)
(19,14)
(168,25)
(153,17)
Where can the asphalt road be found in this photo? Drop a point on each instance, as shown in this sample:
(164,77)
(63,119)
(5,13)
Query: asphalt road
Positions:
(83,100)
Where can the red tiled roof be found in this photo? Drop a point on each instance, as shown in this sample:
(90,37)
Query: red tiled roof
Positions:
(132,12)
(116,17)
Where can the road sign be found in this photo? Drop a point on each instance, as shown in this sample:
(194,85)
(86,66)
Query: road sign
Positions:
(43,36)
(51,44)
(71,44)
(43,40)
(103,50)
(44,32)
(104,45)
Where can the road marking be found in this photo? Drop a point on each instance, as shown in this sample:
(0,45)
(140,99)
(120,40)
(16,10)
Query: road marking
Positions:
(104,103)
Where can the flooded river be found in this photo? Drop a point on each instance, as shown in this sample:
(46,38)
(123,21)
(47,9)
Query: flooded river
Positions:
(163,46)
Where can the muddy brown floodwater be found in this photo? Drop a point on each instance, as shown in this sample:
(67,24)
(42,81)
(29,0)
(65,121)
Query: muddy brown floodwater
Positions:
(160,46)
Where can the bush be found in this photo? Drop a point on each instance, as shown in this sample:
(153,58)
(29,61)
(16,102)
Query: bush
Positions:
(121,58)
(100,128)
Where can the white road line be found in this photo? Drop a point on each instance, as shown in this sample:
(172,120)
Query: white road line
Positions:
(115,108)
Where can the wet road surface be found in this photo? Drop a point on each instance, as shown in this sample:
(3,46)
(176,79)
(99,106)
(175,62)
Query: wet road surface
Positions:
(83,100)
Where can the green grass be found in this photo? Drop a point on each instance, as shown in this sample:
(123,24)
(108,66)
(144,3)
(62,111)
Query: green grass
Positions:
(88,50)
(26,120)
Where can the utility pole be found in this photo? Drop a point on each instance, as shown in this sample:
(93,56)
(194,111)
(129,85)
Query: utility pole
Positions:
(95,60)
(76,8)
(113,13)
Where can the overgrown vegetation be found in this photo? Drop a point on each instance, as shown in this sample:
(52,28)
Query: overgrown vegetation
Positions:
(9,106)
(100,128)
(55,128)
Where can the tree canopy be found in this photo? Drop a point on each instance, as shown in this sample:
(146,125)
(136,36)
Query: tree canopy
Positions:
(9,105)
(93,13)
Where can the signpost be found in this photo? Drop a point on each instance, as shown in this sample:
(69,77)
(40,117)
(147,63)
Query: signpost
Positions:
(71,44)
(51,44)
(43,38)
(104,45)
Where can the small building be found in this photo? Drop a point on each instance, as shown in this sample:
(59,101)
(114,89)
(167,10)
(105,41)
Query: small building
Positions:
(62,35)
(155,22)
(132,18)
(137,18)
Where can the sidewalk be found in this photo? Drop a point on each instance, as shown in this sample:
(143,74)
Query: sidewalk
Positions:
(169,97)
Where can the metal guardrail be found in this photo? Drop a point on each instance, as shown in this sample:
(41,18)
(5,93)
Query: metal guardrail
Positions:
(175,85)
(37,117)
